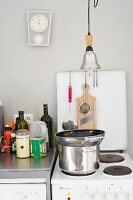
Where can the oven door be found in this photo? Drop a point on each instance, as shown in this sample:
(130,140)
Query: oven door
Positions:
(23,189)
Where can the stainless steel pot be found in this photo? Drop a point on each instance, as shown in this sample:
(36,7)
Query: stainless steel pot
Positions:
(79,151)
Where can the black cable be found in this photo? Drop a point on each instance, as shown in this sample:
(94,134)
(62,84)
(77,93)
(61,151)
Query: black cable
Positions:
(96,3)
(88,17)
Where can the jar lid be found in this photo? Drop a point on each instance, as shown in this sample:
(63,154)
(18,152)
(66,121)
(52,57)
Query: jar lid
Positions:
(22,132)
(7,127)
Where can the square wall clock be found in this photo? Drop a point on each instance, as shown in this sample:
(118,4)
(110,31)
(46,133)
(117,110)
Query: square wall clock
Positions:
(39,27)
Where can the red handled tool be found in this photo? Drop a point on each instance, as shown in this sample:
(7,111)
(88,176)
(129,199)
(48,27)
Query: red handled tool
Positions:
(69,124)
(70,90)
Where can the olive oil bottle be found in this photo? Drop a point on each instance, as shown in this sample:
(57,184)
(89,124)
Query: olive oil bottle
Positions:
(48,120)
(21,123)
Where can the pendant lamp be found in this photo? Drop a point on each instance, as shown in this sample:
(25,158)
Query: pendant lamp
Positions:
(90,59)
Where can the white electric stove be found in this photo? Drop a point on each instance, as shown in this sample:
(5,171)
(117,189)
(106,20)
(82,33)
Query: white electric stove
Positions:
(97,186)
(114,179)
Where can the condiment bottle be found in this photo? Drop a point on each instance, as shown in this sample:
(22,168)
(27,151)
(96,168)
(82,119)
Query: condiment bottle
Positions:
(22,143)
(21,123)
(7,138)
(48,120)
(11,124)
(16,124)
(12,143)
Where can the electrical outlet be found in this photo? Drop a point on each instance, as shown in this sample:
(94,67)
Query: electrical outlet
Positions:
(27,117)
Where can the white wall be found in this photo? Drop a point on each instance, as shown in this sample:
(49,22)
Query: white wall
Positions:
(28,74)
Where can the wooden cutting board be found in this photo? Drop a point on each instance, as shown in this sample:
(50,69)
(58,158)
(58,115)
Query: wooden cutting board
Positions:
(86,110)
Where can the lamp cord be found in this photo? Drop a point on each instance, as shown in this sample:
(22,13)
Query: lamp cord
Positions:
(88,17)
(95,5)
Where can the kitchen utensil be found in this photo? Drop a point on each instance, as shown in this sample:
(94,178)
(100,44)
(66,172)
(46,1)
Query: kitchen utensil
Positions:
(22,143)
(69,124)
(79,151)
(38,147)
(86,109)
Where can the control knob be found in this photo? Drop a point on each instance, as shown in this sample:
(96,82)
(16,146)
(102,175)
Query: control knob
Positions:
(110,196)
(121,196)
(99,196)
(18,196)
(86,196)
(131,196)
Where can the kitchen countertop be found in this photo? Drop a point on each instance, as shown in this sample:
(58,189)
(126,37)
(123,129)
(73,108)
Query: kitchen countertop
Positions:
(9,162)
(12,167)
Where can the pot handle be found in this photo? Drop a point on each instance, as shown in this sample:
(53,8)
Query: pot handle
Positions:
(97,138)
(94,138)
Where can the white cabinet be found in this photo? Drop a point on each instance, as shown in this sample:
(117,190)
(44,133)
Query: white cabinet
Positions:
(23,189)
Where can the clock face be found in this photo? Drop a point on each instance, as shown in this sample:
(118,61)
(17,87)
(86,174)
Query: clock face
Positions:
(39,23)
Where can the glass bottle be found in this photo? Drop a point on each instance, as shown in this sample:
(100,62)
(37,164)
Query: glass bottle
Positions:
(12,144)
(48,120)
(21,123)
(7,138)
(16,124)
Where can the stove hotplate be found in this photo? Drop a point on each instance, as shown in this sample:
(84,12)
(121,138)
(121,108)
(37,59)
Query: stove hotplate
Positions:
(118,170)
(111,158)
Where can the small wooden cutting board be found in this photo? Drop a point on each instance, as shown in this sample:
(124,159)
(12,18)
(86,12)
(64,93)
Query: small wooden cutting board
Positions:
(86,110)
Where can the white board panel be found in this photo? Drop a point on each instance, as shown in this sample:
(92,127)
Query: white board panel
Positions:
(110,104)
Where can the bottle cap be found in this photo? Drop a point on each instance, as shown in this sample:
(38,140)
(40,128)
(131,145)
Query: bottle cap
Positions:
(45,103)
(7,127)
